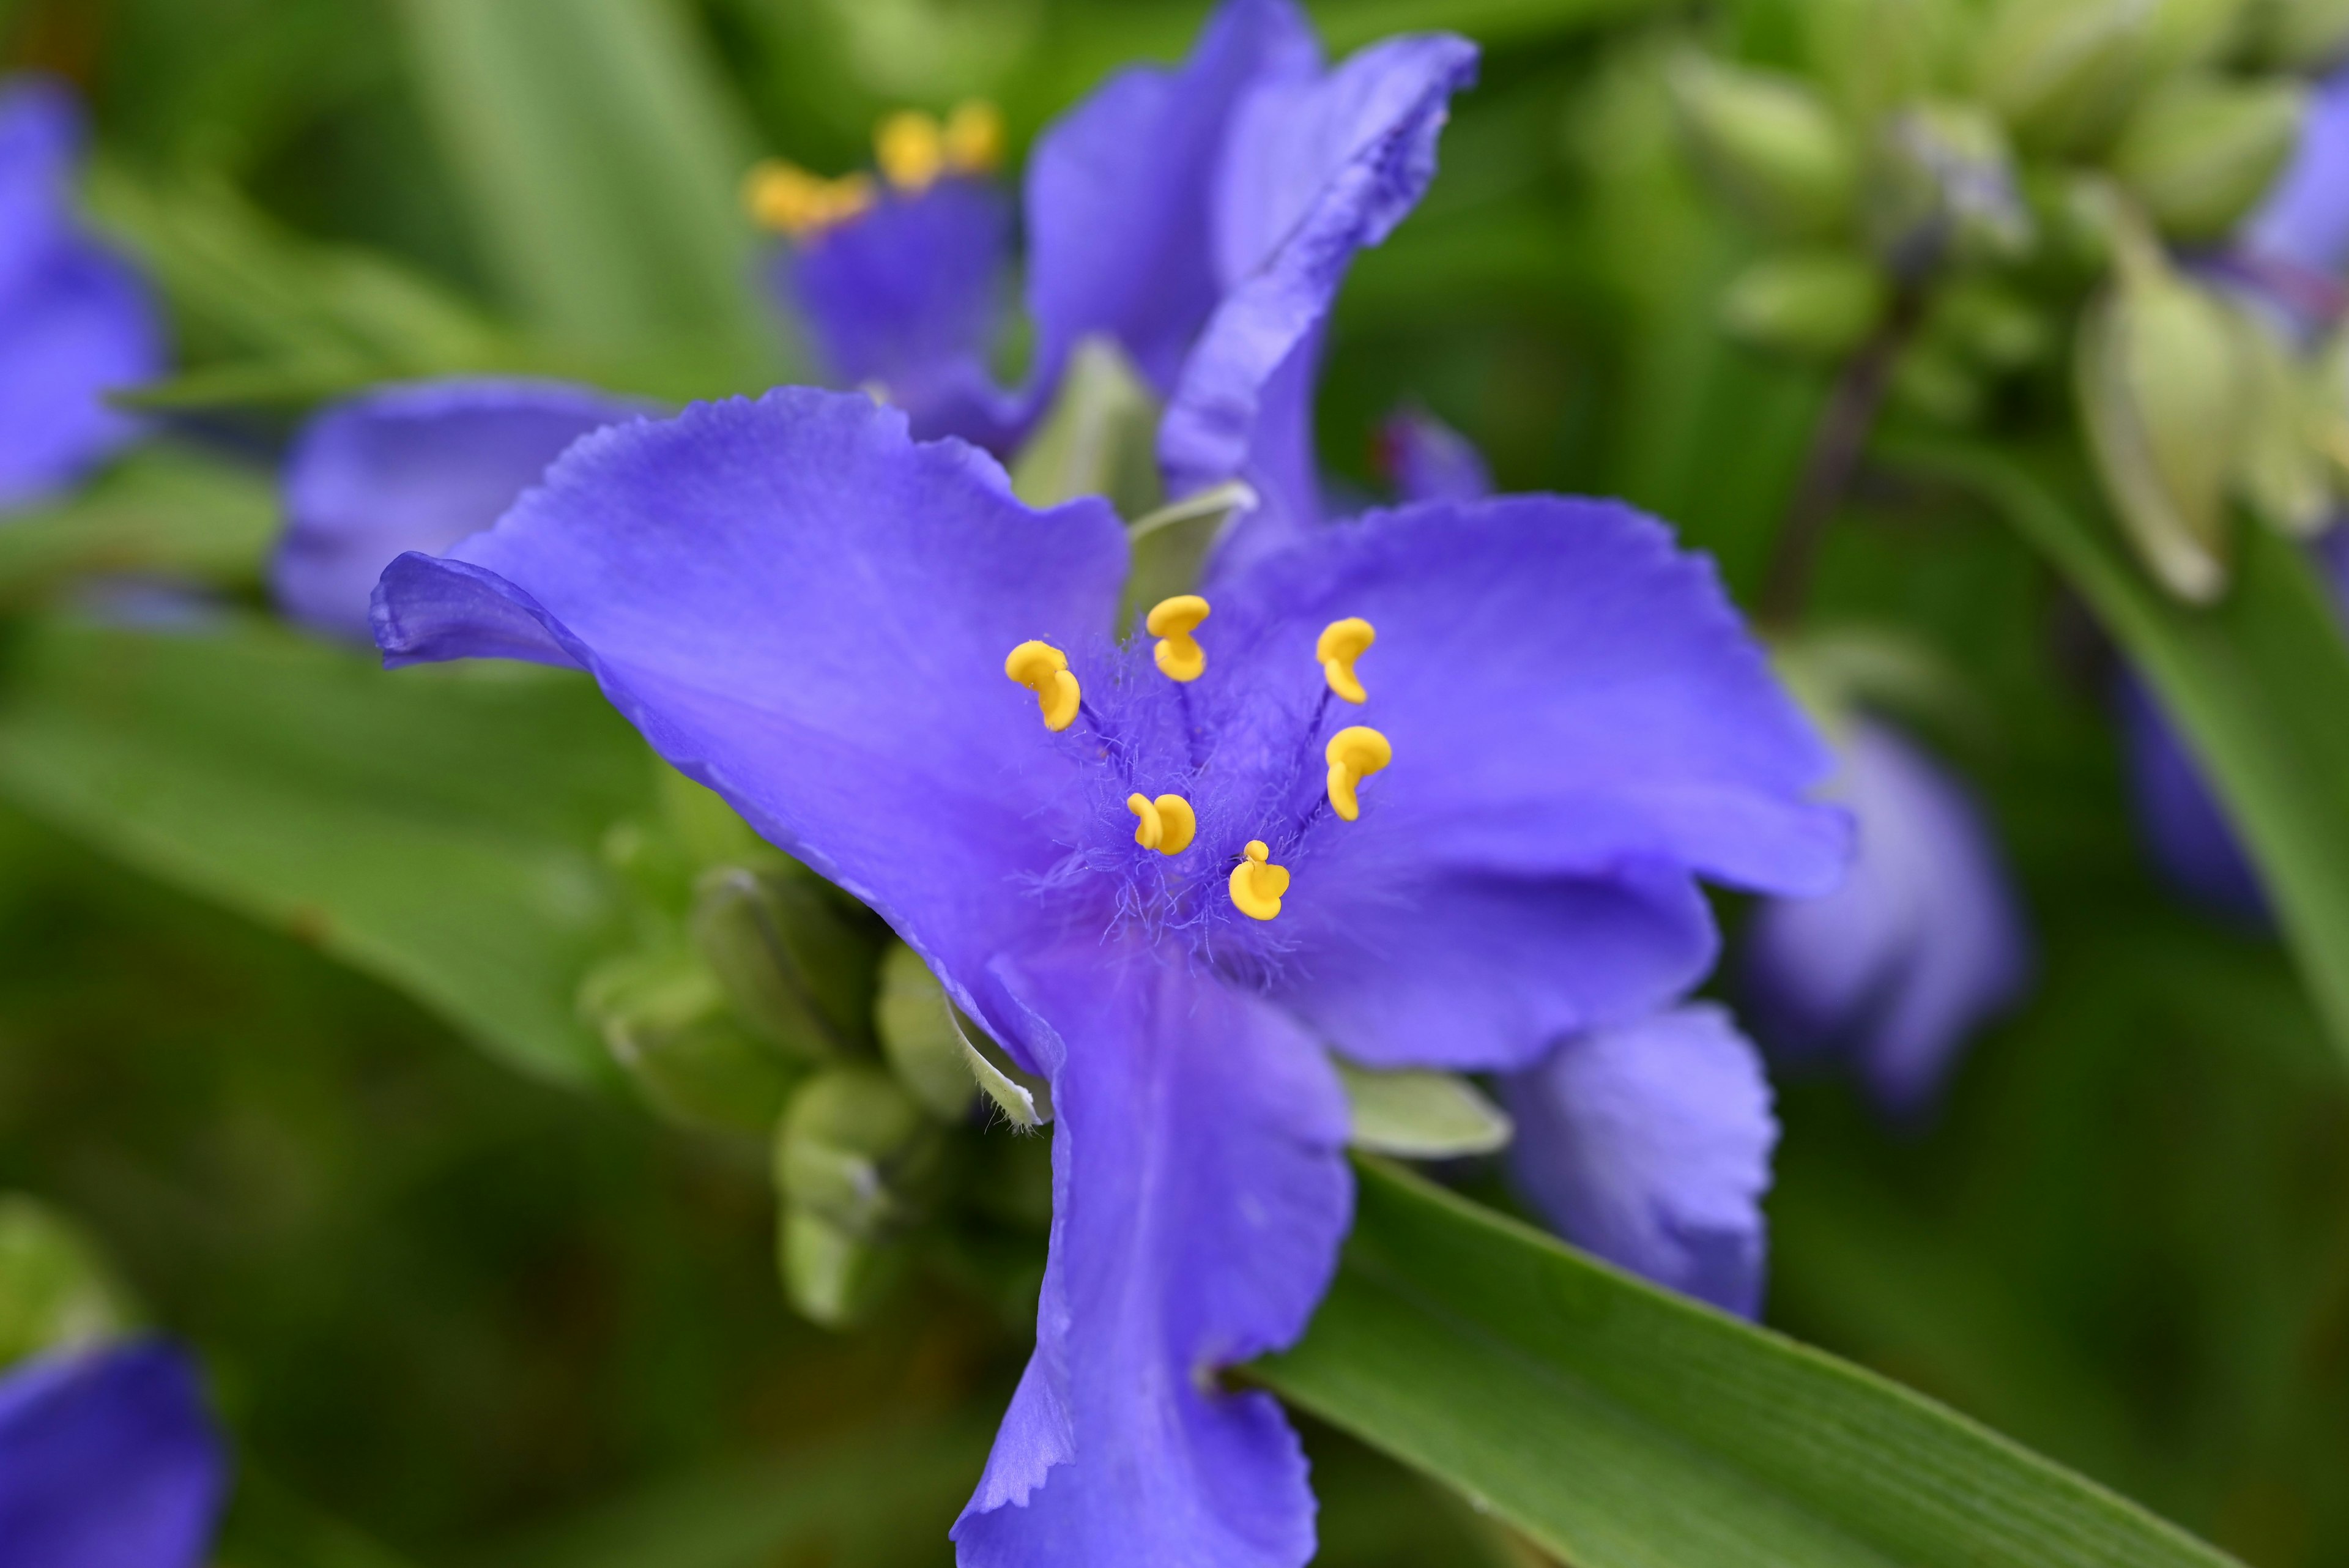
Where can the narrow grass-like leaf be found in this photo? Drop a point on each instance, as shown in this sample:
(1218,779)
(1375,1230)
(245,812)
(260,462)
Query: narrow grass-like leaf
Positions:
(2258,683)
(440,834)
(1621,1427)
(164,509)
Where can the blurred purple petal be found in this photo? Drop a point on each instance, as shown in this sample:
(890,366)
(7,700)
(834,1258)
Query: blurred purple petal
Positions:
(2304,220)
(2183,827)
(1920,946)
(414,468)
(1122,192)
(908,295)
(1650,1145)
(1316,170)
(108,1459)
(1199,1194)
(1426,460)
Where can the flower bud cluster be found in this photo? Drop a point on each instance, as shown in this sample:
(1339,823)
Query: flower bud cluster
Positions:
(1953,183)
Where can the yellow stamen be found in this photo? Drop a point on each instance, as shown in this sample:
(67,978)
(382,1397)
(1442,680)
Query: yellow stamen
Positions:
(911,151)
(789,199)
(1354,753)
(1171,623)
(1342,643)
(1044,669)
(1257,885)
(1167,824)
(974,138)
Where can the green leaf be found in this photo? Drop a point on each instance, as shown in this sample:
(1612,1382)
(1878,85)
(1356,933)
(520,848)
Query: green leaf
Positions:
(2257,684)
(164,508)
(601,155)
(437,829)
(1621,1427)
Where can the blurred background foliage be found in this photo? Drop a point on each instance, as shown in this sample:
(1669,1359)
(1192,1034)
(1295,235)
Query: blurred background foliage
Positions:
(459,1314)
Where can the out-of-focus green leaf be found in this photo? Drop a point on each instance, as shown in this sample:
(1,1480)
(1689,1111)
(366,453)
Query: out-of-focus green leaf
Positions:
(440,833)
(870,1502)
(1618,1425)
(2259,683)
(164,508)
(596,142)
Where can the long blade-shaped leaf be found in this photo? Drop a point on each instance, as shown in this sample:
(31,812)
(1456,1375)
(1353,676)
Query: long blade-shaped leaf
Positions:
(440,834)
(593,141)
(1621,1427)
(2259,684)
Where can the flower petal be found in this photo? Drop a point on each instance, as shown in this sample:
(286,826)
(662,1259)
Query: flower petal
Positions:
(1122,193)
(1650,1145)
(1200,1193)
(2183,825)
(41,136)
(909,295)
(1920,946)
(1565,692)
(108,1459)
(2303,220)
(79,324)
(414,468)
(1316,171)
(808,612)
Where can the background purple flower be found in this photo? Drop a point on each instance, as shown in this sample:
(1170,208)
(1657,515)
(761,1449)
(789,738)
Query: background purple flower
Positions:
(1426,460)
(414,467)
(75,322)
(1648,1144)
(108,1459)
(809,612)
(2303,221)
(1923,943)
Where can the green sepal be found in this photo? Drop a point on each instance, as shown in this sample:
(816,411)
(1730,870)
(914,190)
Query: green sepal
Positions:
(57,1290)
(1170,547)
(919,1039)
(664,1016)
(1420,1115)
(1025,1099)
(1100,437)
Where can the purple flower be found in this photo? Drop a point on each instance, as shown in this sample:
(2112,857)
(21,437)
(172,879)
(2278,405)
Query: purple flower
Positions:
(1923,943)
(813,615)
(1648,1144)
(2303,221)
(1426,460)
(415,467)
(1200,217)
(108,1459)
(75,322)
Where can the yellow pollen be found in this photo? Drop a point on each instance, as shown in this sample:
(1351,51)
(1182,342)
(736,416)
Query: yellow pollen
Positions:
(1044,669)
(1342,643)
(1257,885)
(1167,824)
(1354,752)
(1180,658)
(789,199)
(911,150)
(974,138)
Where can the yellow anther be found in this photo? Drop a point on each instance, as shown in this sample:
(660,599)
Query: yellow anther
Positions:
(1180,658)
(1342,643)
(1167,824)
(974,138)
(1354,752)
(1257,885)
(789,199)
(1044,669)
(911,150)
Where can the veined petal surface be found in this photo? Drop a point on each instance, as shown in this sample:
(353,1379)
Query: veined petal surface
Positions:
(1200,1192)
(808,612)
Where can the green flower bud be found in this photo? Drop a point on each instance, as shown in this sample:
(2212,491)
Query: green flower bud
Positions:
(857,1149)
(831,1276)
(1992,327)
(1931,380)
(1821,303)
(2062,73)
(1421,1115)
(1100,438)
(798,973)
(1771,143)
(2158,371)
(1943,189)
(919,1037)
(664,1018)
(2200,152)
(2186,34)
(2307,36)
(56,1290)
(2283,475)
